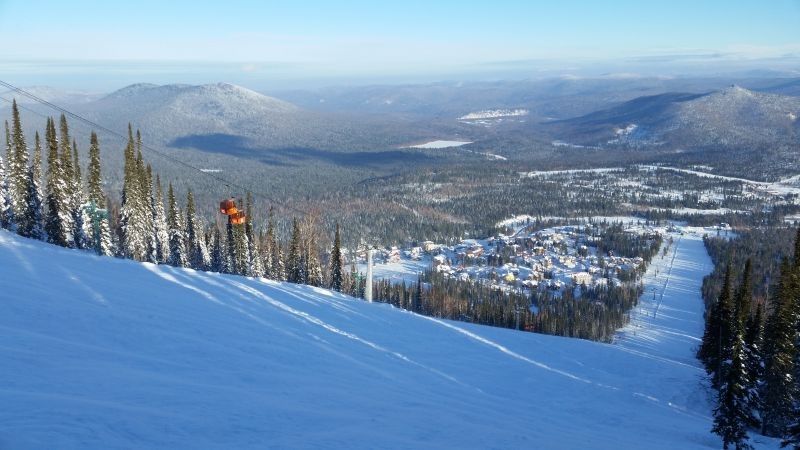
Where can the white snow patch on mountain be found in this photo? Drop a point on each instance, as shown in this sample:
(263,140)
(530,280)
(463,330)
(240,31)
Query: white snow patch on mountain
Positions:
(494,114)
(625,131)
(440,144)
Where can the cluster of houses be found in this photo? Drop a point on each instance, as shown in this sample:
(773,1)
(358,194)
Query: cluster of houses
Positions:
(553,258)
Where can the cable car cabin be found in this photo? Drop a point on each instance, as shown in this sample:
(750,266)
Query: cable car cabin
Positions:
(228,207)
(237,219)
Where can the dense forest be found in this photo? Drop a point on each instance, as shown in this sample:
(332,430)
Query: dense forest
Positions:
(751,344)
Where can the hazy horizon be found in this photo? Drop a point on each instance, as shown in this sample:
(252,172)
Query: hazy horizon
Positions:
(274,45)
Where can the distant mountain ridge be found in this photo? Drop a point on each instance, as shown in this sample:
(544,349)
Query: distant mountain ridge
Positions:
(731,117)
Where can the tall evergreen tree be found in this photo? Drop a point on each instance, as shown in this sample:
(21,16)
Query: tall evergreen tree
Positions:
(18,174)
(416,301)
(270,249)
(100,234)
(198,252)
(753,345)
(94,177)
(716,338)
(160,232)
(278,266)
(148,210)
(777,394)
(177,242)
(255,267)
(732,415)
(9,147)
(58,221)
(33,225)
(314,275)
(744,294)
(82,222)
(69,197)
(265,253)
(336,262)
(133,222)
(230,249)
(239,252)
(6,207)
(294,266)
(218,252)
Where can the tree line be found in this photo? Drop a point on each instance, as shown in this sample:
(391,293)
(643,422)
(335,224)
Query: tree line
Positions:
(594,313)
(750,349)
(50,201)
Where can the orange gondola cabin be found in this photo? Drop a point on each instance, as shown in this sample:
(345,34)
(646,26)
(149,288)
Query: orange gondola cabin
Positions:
(237,219)
(228,207)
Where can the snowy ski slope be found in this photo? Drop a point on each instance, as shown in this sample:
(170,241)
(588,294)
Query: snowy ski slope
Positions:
(105,353)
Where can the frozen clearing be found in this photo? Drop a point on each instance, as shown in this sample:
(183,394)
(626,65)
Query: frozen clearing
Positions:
(441,144)
(106,353)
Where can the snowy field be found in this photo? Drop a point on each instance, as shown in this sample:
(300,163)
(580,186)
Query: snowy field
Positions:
(441,144)
(106,353)
(404,271)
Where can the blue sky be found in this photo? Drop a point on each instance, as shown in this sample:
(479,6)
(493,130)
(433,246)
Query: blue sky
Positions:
(341,39)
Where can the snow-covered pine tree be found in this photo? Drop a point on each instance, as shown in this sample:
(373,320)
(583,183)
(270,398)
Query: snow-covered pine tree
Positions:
(315,276)
(6,209)
(69,197)
(101,241)
(416,300)
(777,394)
(230,249)
(278,266)
(9,149)
(161,232)
(58,222)
(34,198)
(336,262)
(82,222)
(753,344)
(268,248)
(198,252)
(294,268)
(148,214)
(239,253)
(254,266)
(177,242)
(732,415)
(218,252)
(744,295)
(133,221)
(716,339)
(264,254)
(18,175)
(94,180)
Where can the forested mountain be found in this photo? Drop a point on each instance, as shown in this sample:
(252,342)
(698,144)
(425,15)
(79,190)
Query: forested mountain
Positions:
(730,118)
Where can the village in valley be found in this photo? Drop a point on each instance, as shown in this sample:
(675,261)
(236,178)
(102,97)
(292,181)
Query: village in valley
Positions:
(536,255)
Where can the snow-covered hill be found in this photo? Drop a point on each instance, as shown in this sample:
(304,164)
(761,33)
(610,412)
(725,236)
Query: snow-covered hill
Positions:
(107,353)
(731,117)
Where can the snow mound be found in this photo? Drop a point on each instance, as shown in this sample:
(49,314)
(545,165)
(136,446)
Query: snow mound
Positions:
(107,353)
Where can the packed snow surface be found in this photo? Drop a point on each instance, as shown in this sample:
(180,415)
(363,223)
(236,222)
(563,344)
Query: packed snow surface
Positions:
(441,144)
(107,353)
